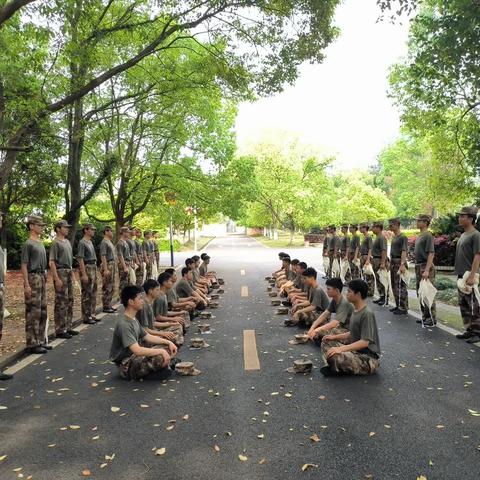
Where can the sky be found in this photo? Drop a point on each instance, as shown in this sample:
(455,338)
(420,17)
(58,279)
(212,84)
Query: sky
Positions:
(340,106)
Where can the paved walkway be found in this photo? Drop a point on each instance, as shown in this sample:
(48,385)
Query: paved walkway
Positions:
(411,419)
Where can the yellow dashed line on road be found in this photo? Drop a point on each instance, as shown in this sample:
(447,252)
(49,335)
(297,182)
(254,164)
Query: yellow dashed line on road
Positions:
(250,354)
(244,292)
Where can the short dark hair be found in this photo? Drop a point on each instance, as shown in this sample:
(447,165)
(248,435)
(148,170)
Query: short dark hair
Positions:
(203,255)
(286,259)
(310,273)
(189,261)
(163,277)
(171,271)
(129,292)
(302,265)
(185,270)
(195,258)
(150,284)
(295,261)
(334,283)
(359,286)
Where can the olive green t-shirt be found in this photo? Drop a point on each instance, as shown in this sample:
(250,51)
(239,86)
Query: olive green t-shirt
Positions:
(107,249)
(132,247)
(203,269)
(318,298)
(355,243)
(34,255)
(61,253)
(334,243)
(468,246)
(86,250)
(379,245)
(123,250)
(342,311)
(183,288)
(344,244)
(399,244)
(172,296)
(363,326)
(145,316)
(160,306)
(423,247)
(126,333)
(366,245)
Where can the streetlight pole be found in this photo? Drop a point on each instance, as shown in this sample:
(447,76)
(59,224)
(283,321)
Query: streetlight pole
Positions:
(171,238)
(195,227)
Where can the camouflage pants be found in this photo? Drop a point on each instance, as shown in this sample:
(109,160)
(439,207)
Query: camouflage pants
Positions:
(2,308)
(348,276)
(370,279)
(354,270)
(305,319)
(137,367)
(89,293)
(108,284)
(139,272)
(333,331)
(349,362)
(149,269)
(124,279)
(177,330)
(399,287)
(427,314)
(470,311)
(63,310)
(376,268)
(36,310)
(330,263)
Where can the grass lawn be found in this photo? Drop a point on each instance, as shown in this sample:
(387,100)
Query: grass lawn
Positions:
(283,240)
(445,316)
(202,241)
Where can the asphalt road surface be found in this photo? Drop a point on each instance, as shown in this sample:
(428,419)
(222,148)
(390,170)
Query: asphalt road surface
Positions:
(410,419)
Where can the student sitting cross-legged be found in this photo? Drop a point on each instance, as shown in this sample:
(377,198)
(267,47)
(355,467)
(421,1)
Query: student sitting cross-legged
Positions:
(360,352)
(133,360)
(146,317)
(336,317)
(307,311)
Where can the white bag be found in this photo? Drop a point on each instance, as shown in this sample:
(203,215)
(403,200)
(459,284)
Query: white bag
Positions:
(426,295)
(344,269)
(131,275)
(335,268)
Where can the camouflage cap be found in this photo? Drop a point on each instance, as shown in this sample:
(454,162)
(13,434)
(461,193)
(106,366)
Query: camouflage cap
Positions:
(91,226)
(124,230)
(378,223)
(344,225)
(354,225)
(364,225)
(35,220)
(62,223)
(424,218)
(395,220)
(471,211)
(107,228)
(333,227)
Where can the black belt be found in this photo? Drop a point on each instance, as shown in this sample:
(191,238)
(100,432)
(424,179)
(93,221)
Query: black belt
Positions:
(396,258)
(43,272)
(90,262)
(377,257)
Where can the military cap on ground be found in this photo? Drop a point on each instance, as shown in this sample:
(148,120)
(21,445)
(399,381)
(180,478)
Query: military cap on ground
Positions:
(378,223)
(89,225)
(424,218)
(35,220)
(394,220)
(472,211)
(62,223)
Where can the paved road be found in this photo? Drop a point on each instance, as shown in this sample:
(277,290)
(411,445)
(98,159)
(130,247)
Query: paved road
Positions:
(410,419)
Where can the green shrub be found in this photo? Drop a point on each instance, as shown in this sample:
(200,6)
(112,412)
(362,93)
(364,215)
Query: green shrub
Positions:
(444,283)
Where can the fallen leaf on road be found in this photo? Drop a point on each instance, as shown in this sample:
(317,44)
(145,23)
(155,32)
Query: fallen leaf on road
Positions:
(185,417)
(440,426)
(261,435)
(160,451)
(242,458)
(322,397)
(262,461)
(103,465)
(74,427)
(371,434)
(115,409)
(86,472)
(430,463)
(2,458)
(170,427)
(315,438)
(216,448)
(306,466)
(144,406)
(288,395)
(96,437)
(474,413)
(422,477)
(273,394)
(2,407)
